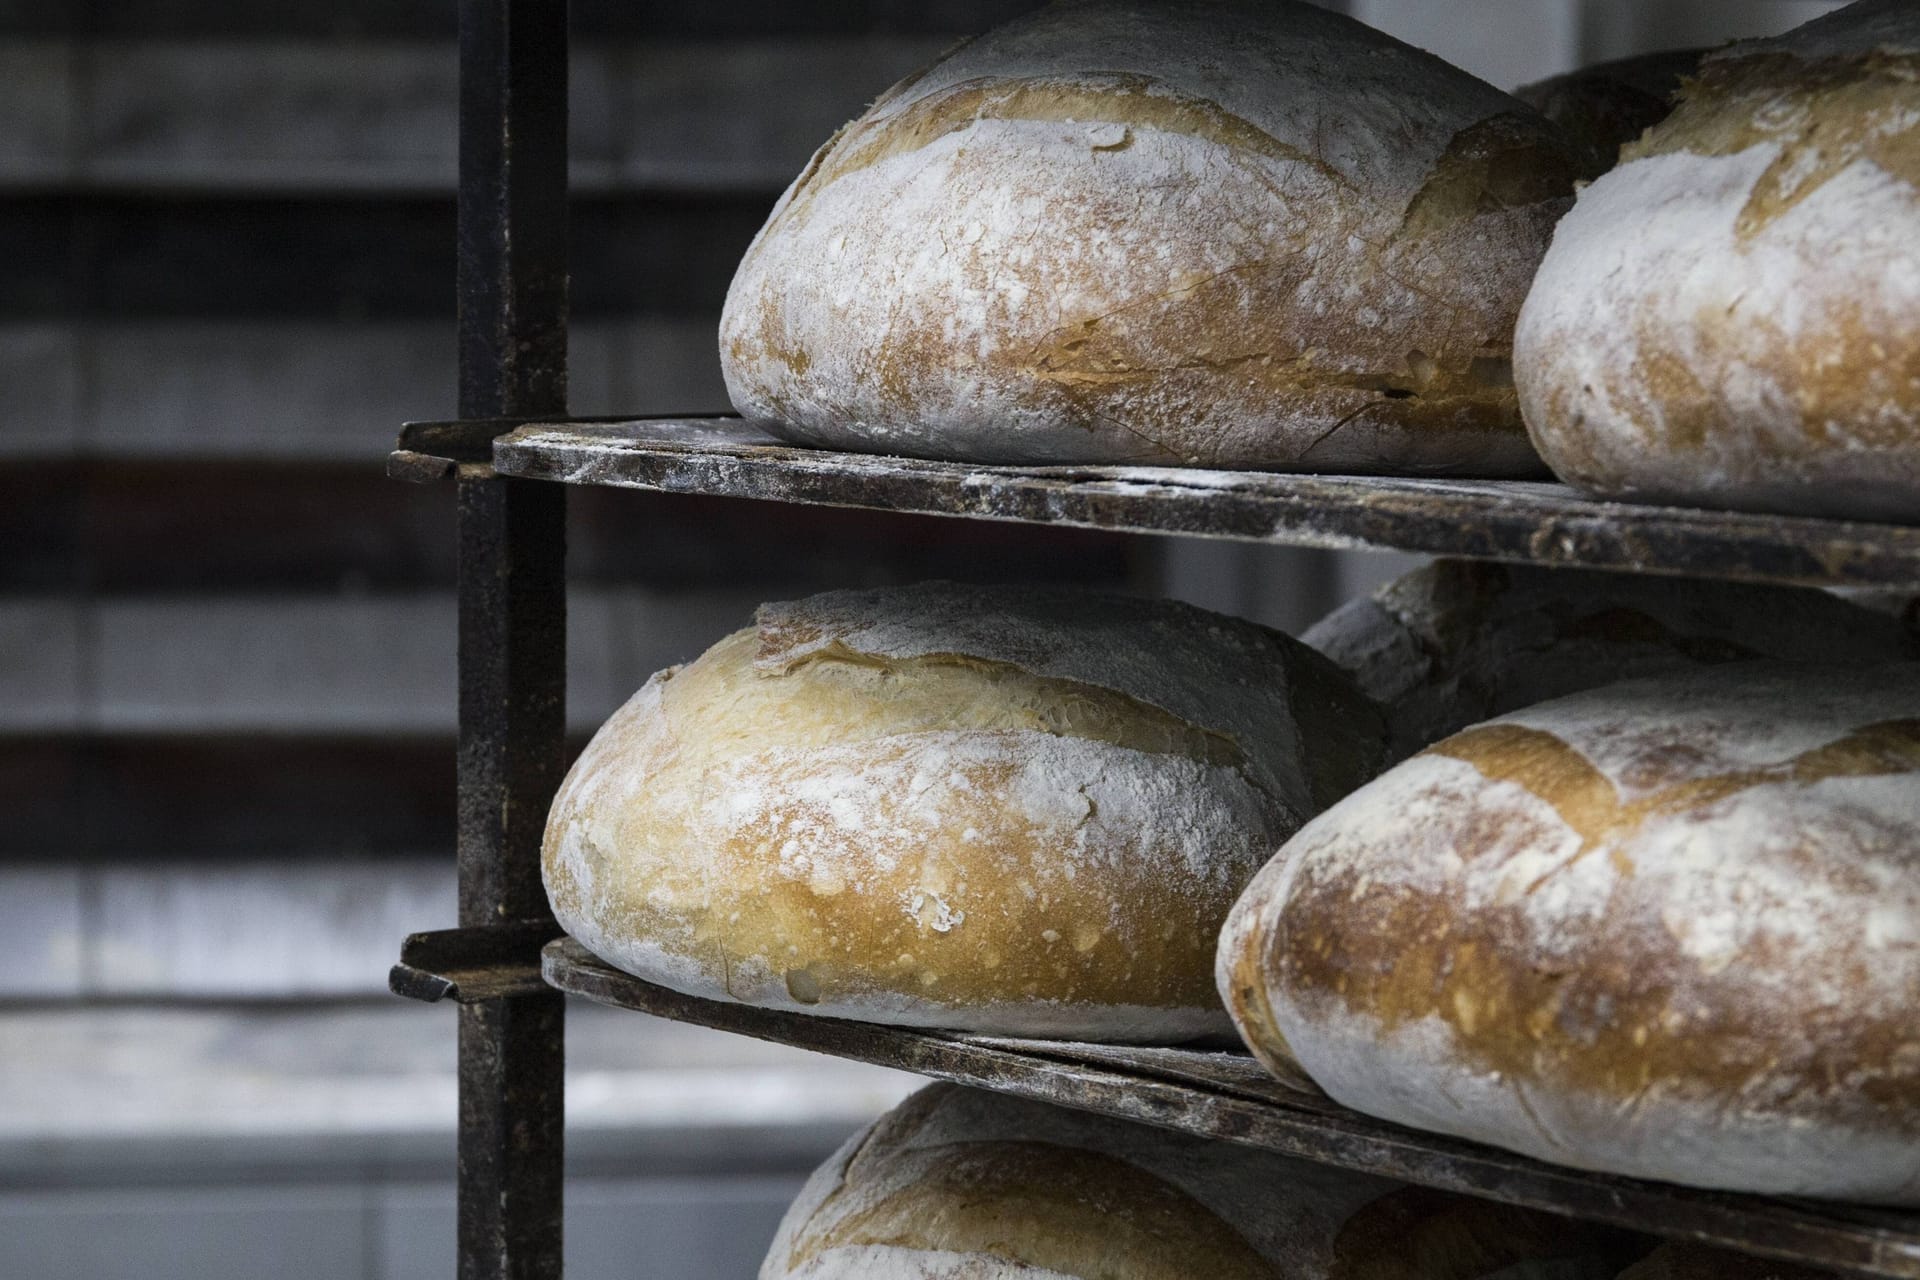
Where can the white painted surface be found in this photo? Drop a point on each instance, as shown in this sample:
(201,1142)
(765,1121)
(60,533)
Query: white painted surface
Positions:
(286,930)
(1504,42)
(302,390)
(258,115)
(41,932)
(315,664)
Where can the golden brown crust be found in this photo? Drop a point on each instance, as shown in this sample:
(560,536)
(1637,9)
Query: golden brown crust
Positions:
(1663,928)
(1824,114)
(1728,316)
(838,812)
(957,1178)
(1346,936)
(1183,282)
(993,1197)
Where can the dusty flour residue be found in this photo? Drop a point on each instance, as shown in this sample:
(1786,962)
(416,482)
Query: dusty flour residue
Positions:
(1233,678)
(1613,315)
(950,806)
(1805,867)
(1650,734)
(1299,1230)
(1415,1075)
(1672,934)
(1132,233)
(851,818)
(1008,881)
(1734,326)
(1280,67)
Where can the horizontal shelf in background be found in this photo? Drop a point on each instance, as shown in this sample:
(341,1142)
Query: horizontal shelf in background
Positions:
(372,115)
(120,1095)
(434,19)
(1485,519)
(153,527)
(1226,1096)
(355,259)
(77,797)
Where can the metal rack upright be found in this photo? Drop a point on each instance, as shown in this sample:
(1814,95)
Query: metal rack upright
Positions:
(512,454)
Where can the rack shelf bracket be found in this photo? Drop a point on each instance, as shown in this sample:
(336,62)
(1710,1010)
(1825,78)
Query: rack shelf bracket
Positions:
(487,962)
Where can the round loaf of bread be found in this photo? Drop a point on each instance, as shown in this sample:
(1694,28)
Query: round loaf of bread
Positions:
(1462,641)
(1603,107)
(1732,316)
(957,1184)
(1236,233)
(1007,810)
(1669,928)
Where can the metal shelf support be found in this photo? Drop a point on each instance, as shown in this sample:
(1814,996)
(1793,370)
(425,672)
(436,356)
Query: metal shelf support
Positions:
(512,294)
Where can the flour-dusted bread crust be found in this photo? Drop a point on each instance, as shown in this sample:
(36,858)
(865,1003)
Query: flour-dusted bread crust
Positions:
(1243,233)
(957,1184)
(1732,316)
(1669,928)
(1458,641)
(1603,107)
(1000,809)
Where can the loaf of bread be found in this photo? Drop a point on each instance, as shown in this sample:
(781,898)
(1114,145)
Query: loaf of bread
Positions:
(1603,107)
(957,1184)
(1732,316)
(1460,641)
(1012,810)
(1234,233)
(1669,928)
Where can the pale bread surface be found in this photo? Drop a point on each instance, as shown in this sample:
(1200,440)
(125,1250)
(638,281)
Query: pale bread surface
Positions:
(1669,928)
(1458,642)
(956,1183)
(996,809)
(1196,232)
(1732,315)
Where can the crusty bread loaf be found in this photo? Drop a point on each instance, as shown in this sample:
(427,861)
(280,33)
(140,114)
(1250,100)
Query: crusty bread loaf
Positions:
(1014,810)
(1244,233)
(957,1184)
(1669,928)
(1732,316)
(1603,107)
(1461,641)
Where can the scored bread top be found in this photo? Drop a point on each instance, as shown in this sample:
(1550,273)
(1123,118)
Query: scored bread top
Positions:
(1668,928)
(1246,73)
(1199,232)
(1272,705)
(1730,314)
(1458,642)
(953,806)
(956,1175)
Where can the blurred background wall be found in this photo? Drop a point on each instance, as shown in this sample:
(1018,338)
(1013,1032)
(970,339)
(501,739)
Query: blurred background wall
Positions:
(226,641)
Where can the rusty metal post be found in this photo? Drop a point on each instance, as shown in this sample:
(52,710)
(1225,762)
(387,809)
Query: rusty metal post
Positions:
(513,362)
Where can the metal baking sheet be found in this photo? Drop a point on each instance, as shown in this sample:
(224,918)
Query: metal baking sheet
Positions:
(1485,519)
(1225,1096)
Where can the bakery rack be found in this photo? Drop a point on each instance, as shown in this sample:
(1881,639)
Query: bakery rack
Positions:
(514,452)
